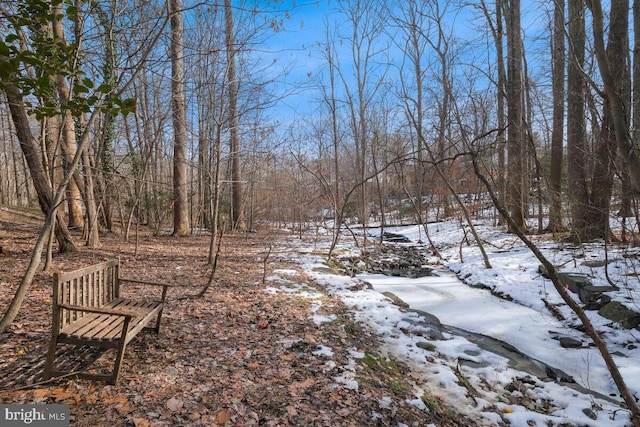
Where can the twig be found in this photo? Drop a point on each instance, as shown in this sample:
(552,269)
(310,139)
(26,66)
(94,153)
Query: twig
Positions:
(553,309)
(264,265)
(43,382)
(214,267)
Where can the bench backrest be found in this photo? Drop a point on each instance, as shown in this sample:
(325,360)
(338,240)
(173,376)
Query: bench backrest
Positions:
(92,286)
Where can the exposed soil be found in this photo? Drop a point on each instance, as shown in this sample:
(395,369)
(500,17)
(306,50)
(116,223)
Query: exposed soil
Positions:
(239,356)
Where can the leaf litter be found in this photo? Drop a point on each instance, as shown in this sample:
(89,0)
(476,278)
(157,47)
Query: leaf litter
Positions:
(264,346)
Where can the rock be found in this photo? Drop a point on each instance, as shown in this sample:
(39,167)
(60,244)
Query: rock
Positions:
(568,342)
(590,293)
(480,285)
(426,345)
(431,323)
(404,270)
(598,303)
(574,281)
(394,298)
(416,273)
(590,413)
(619,313)
(559,375)
(595,263)
(396,238)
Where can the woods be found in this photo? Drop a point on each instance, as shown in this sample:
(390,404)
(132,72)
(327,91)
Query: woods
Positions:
(190,117)
(384,91)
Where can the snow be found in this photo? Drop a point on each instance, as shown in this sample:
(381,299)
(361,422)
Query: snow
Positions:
(525,323)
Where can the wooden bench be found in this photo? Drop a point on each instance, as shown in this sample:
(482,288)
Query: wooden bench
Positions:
(88,311)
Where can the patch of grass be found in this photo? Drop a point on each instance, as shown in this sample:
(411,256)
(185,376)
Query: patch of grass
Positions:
(396,386)
(352,329)
(379,363)
(370,360)
(434,404)
(335,264)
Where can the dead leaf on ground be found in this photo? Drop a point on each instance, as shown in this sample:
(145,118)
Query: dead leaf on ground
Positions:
(174,404)
(222,417)
(141,422)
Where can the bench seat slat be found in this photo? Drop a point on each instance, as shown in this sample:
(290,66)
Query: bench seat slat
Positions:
(102,327)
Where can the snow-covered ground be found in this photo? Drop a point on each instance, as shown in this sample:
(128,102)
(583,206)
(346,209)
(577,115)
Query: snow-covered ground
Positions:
(524,323)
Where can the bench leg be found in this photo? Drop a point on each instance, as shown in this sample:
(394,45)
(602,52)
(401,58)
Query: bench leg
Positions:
(118,363)
(157,328)
(122,345)
(51,356)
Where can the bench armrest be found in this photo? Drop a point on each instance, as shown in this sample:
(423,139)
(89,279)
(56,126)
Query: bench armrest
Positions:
(144,282)
(164,286)
(99,310)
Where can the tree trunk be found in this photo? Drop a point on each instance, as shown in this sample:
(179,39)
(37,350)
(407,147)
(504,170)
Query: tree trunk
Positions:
(625,209)
(617,50)
(29,148)
(614,96)
(69,143)
(180,188)
(576,134)
(237,214)
(557,133)
(626,394)
(515,116)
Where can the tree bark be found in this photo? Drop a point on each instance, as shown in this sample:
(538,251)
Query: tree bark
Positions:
(31,153)
(237,187)
(515,116)
(557,133)
(69,143)
(576,134)
(180,188)
(613,94)
(617,50)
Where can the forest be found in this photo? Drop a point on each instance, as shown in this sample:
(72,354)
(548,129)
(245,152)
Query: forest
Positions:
(190,118)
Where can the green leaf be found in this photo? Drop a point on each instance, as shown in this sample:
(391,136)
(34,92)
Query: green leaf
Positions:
(12,38)
(104,88)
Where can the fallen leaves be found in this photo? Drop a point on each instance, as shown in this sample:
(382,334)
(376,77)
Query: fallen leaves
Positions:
(298,387)
(174,404)
(238,356)
(222,417)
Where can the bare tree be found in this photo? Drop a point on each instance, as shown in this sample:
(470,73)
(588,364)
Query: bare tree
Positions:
(366,24)
(234,122)
(576,141)
(180,187)
(516,142)
(558,54)
(615,83)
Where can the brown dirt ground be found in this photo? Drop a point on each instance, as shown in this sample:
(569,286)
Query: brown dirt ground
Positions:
(212,363)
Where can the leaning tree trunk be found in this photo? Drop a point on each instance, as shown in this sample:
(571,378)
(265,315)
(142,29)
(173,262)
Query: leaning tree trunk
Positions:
(612,367)
(51,214)
(34,162)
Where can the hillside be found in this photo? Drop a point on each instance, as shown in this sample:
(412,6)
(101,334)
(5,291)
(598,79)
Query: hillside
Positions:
(213,363)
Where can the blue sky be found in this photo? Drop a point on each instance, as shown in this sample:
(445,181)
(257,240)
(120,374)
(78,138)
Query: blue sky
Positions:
(296,46)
